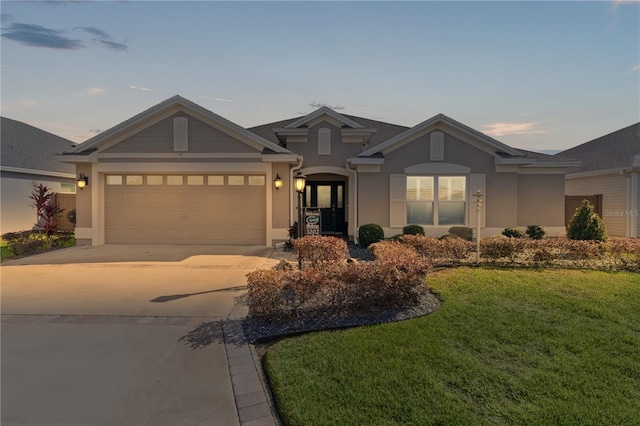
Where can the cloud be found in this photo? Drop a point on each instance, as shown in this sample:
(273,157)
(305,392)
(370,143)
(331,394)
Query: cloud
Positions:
(144,89)
(91,91)
(111,45)
(315,104)
(38,36)
(216,99)
(6,18)
(512,128)
(615,4)
(18,106)
(632,70)
(104,38)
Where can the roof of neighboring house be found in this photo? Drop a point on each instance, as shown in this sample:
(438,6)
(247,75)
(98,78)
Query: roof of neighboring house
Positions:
(613,151)
(27,147)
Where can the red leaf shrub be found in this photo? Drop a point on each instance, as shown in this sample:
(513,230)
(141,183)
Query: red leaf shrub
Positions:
(389,250)
(338,287)
(314,250)
(500,247)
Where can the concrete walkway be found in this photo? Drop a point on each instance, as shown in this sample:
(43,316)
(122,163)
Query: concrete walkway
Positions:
(131,335)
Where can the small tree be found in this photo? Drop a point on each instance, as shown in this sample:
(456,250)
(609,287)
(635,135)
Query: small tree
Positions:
(586,224)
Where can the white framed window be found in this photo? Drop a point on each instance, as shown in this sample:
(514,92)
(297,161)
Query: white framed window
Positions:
(67,188)
(236,180)
(436,200)
(256,180)
(154,180)
(215,180)
(175,180)
(195,180)
(134,180)
(114,180)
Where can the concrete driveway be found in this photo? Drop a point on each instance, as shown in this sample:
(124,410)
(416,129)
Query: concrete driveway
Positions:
(121,335)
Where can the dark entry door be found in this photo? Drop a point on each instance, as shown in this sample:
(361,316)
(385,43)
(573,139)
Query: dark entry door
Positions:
(329,198)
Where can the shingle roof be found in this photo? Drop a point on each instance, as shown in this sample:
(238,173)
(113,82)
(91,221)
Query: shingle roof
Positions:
(383,132)
(27,147)
(613,151)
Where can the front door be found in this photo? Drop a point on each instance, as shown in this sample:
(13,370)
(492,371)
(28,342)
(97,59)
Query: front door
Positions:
(329,198)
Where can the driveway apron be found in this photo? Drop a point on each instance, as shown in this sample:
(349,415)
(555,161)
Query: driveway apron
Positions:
(121,335)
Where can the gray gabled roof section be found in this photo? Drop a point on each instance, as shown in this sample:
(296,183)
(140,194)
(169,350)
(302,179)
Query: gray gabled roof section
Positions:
(27,147)
(617,150)
(383,131)
(398,140)
(186,105)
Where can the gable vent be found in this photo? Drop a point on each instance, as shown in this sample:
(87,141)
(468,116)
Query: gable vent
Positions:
(324,141)
(437,146)
(181,134)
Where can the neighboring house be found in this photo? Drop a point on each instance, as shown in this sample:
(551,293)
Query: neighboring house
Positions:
(28,155)
(178,173)
(609,179)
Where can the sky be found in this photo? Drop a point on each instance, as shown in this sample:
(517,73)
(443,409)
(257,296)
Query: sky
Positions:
(542,75)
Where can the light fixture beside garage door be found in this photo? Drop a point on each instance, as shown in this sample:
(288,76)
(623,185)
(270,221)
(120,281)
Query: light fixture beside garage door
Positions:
(277,182)
(83,181)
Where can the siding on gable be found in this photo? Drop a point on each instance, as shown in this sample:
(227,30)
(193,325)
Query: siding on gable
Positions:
(614,199)
(159,139)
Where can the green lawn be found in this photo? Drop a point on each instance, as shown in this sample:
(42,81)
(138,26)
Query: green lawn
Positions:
(507,347)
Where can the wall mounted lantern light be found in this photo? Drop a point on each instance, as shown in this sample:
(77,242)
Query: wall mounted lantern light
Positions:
(83,181)
(277,182)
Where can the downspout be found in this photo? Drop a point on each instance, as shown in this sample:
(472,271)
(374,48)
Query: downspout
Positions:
(292,199)
(632,210)
(355,200)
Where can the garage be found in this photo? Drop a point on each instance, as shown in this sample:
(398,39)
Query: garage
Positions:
(185,209)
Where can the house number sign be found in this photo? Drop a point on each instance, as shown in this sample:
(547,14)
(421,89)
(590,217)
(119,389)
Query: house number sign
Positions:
(312,222)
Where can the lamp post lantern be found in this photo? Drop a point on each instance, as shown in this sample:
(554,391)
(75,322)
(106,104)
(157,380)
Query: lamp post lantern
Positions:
(300,182)
(478,196)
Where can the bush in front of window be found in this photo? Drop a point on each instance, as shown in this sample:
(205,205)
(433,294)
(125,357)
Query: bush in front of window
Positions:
(413,230)
(462,232)
(512,233)
(369,234)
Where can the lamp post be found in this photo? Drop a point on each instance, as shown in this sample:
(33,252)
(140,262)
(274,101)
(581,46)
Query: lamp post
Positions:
(478,196)
(300,182)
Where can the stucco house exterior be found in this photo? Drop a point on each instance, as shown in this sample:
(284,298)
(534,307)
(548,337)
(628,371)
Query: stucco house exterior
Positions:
(610,175)
(178,173)
(29,155)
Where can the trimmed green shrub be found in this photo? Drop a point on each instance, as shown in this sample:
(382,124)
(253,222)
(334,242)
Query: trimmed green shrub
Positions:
(462,232)
(512,233)
(413,230)
(535,232)
(586,224)
(369,234)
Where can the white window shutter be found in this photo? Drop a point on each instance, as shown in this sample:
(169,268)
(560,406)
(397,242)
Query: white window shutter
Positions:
(436,146)
(477,183)
(324,141)
(181,134)
(398,203)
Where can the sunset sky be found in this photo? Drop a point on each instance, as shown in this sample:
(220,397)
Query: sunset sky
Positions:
(534,75)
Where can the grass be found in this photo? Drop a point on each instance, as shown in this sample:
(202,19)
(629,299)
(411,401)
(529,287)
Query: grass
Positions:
(507,347)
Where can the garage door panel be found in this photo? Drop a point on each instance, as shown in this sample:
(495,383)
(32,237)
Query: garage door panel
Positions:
(185,214)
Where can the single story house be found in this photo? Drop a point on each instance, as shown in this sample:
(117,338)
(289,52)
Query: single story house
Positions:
(28,155)
(178,173)
(609,178)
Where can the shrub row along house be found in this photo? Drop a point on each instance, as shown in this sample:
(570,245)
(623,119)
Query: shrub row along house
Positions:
(178,173)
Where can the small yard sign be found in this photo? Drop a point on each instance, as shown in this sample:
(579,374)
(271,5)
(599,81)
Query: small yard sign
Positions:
(312,224)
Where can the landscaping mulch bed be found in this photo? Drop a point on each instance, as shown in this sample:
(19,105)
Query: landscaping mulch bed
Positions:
(257,330)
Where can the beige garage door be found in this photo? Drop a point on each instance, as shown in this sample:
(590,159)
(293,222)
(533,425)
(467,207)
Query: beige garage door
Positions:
(185,209)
